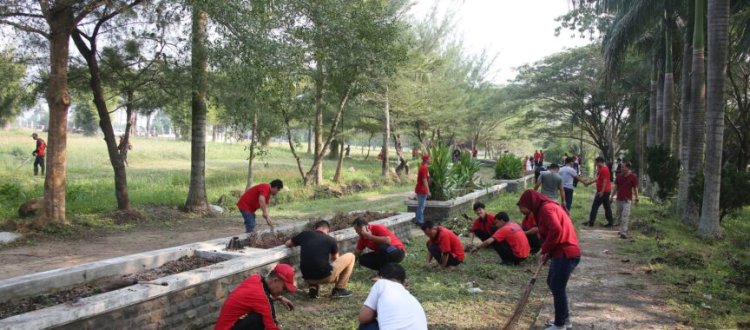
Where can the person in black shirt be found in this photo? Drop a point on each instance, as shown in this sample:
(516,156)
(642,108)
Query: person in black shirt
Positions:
(316,248)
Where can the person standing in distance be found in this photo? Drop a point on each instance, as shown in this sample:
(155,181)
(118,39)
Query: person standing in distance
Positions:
(551,183)
(38,153)
(603,190)
(626,186)
(569,175)
(422,189)
(256,198)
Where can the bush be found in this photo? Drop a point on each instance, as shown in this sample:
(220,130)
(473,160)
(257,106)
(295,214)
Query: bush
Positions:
(448,180)
(663,169)
(734,188)
(508,167)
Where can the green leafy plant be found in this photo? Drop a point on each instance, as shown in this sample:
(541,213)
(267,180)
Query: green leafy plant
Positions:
(448,180)
(663,169)
(734,187)
(508,167)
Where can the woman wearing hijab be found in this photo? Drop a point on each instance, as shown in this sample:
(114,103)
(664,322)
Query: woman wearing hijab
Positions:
(559,247)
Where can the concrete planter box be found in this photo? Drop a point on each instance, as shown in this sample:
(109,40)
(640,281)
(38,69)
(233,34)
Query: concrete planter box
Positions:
(518,185)
(438,211)
(191,300)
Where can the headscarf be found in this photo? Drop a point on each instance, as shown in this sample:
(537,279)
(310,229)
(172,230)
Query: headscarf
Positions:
(533,200)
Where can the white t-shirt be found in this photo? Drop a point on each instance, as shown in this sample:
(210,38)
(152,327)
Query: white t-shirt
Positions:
(396,308)
(567,174)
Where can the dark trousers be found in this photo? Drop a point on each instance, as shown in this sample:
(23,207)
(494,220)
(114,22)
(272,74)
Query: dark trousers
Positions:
(377,259)
(603,200)
(38,163)
(483,235)
(560,269)
(506,254)
(250,322)
(568,198)
(372,325)
(435,252)
(534,242)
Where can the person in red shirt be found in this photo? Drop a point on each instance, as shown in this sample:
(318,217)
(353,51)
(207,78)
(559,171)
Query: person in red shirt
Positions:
(532,232)
(536,158)
(422,189)
(484,225)
(38,153)
(443,245)
(509,241)
(256,198)
(626,186)
(603,190)
(250,305)
(559,247)
(385,246)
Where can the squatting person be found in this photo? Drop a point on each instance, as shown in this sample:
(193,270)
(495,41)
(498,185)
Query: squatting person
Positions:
(509,241)
(443,245)
(385,246)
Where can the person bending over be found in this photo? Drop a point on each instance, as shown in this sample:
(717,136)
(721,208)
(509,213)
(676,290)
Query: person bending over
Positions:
(389,306)
(320,261)
(256,198)
(509,241)
(385,246)
(443,245)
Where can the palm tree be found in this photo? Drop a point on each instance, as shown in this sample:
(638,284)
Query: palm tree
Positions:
(668,77)
(718,21)
(685,101)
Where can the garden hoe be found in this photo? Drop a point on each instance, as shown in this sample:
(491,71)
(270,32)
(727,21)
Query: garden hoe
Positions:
(521,305)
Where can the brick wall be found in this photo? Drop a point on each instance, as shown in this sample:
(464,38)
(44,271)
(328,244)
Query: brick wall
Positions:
(197,307)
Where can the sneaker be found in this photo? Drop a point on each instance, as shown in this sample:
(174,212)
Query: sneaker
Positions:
(340,293)
(587,224)
(609,225)
(313,293)
(567,325)
(623,236)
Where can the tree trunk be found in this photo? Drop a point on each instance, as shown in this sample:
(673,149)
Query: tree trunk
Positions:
(718,21)
(337,176)
(659,137)
(685,102)
(668,89)
(696,124)
(639,142)
(369,145)
(651,137)
(309,139)
(251,156)
(386,133)
(116,156)
(61,26)
(403,163)
(148,126)
(317,171)
(197,201)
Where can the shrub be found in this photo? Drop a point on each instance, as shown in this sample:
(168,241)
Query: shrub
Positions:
(448,180)
(663,169)
(508,167)
(733,193)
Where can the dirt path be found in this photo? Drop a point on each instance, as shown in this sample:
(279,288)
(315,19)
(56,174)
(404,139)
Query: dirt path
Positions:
(46,255)
(607,291)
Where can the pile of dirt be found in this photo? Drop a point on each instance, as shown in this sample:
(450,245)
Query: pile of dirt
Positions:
(343,220)
(73,294)
(263,241)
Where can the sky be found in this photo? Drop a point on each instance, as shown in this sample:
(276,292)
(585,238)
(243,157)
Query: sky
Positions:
(517,31)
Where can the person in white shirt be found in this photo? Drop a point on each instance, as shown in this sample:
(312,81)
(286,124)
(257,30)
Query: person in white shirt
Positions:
(569,174)
(389,306)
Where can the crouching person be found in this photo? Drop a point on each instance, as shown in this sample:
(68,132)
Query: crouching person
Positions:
(320,261)
(385,246)
(509,241)
(250,305)
(443,245)
(389,306)
(484,225)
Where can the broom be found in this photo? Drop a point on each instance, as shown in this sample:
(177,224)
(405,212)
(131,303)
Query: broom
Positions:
(521,305)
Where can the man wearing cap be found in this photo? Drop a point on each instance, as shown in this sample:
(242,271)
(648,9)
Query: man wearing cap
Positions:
(422,189)
(509,241)
(389,306)
(250,305)
(551,183)
(443,245)
(385,246)
(256,198)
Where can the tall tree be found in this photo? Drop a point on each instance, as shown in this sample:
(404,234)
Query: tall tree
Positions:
(696,124)
(685,103)
(718,31)
(15,95)
(668,93)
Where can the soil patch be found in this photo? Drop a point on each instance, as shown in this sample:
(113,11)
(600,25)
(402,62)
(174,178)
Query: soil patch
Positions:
(73,294)
(342,220)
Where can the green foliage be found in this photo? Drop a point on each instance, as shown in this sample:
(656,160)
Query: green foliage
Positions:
(450,180)
(508,167)
(663,169)
(13,95)
(734,188)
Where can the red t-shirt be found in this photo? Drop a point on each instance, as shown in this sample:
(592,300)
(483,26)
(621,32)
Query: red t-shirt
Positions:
(249,200)
(421,189)
(536,156)
(516,238)
(625,185)
(448,243)
(381,231)
(528,222)
(557,232)
(485,225)
(41,147)
(603,184)
(249,297)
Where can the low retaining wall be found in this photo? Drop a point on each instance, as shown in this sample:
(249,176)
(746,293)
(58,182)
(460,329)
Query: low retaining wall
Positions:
(438,211)
(190,300)
(519,185)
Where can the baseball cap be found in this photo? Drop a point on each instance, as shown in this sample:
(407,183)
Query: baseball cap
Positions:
(286,273)
(425,157)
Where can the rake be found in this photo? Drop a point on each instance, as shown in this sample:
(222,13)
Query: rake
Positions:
(521,305)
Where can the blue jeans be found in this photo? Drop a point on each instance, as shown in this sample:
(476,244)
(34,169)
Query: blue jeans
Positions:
(249,221)
(560,269)
(421,201)
(568,198)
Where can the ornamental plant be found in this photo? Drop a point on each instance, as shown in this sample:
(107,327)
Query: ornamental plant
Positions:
(508,167)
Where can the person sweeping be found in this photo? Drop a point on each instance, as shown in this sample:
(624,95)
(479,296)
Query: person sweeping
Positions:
(559,247)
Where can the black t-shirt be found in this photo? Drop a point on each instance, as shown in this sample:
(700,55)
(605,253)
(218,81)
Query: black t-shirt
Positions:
(316,249)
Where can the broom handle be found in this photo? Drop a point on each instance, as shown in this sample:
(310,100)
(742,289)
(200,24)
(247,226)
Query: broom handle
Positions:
(521,305)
